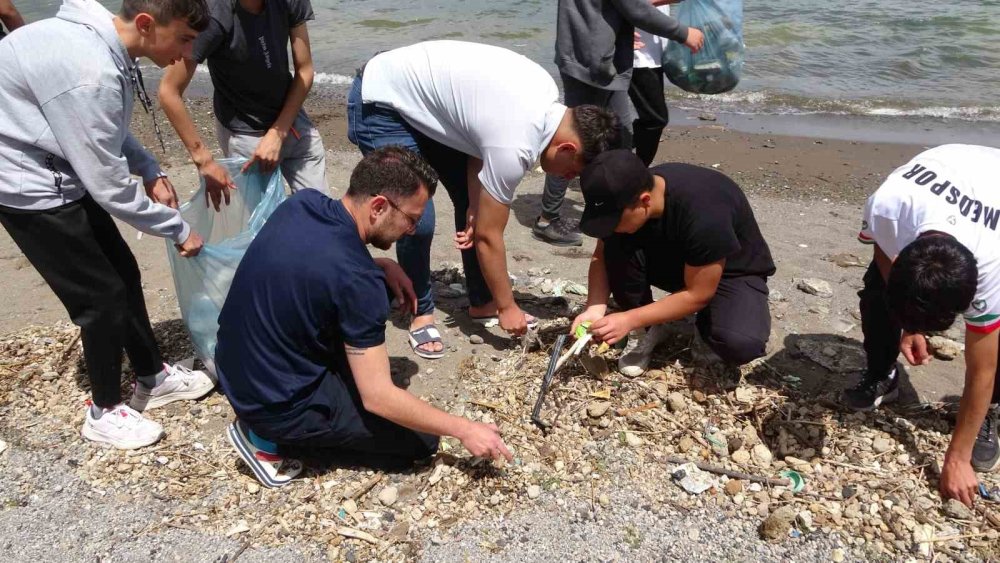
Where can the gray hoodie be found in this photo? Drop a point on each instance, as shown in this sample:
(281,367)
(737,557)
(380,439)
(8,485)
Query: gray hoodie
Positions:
(66,97)
(594,38)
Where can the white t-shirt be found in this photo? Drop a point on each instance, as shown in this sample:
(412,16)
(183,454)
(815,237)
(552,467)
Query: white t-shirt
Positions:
(484,101)
(651,55)
(954,189)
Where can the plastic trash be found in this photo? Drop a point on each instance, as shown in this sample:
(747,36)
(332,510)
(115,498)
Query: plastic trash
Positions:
(798,482)
(692,479)
(717,67)
(202,282)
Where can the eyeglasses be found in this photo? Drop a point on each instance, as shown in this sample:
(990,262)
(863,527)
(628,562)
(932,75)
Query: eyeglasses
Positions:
(413,220)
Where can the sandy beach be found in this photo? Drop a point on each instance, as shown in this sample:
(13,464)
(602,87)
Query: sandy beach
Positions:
(807,194)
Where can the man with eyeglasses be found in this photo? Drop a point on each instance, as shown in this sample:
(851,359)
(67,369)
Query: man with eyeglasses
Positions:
(301,353)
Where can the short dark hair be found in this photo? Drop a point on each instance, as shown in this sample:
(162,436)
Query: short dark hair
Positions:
(933,279)
(194,12)
(599,130)
(392,171)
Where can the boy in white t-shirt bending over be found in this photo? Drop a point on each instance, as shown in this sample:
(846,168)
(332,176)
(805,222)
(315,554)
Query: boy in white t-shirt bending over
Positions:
(935,224)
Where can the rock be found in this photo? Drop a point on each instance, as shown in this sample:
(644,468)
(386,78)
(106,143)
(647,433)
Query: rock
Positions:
(846,260)
(734,486)
(735,442)
(750,437)
(777,525)
(685,444)
(476,339)
(597,409)
(881,445)
(707,117)
(661,389)
(238,528)
(955,509)
(944,348)
(815,286)
(388,495)
(253,488)
(604,499)
(699,396)
(350,506)
(3,446)
(837,555)
(922,535)
(437,474)
(632,440)
(762,455)
(744,394)
(676,402)
(534,491)
(840,325)
(741,457)
(775,296)
(819,310)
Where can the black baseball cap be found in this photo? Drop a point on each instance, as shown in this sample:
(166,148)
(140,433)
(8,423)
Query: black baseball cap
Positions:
(611,183)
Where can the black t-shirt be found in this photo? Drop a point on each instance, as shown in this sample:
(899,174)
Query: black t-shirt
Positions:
(706,218)
(306,286)
(247,58)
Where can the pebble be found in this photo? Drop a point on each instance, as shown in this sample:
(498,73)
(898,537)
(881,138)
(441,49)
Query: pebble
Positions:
(734,486)
(685,444)
(775,296)
(815,286)
(881,445)
(476,339)
(778,523)
(534,491)
(837,555)
(604,499)
(676,402)
(944,348)
(597,409)
(955,509)
(253,488)
(388,496)
(741,457)
(632,440)
(848,492)
(762,455)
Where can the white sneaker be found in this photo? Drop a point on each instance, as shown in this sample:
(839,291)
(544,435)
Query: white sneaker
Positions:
(122,427)
(181,384)
(641,343)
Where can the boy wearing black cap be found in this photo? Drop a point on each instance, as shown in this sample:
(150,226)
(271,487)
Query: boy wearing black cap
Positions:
(687,230)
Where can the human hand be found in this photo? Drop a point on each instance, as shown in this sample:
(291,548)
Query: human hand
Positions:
(590,314)
(162,191)
(466,238)
(611,328)
(695,40)
(218,182)
(914,349)
(400,285)
(483,440)
(636,41)
(268,152)
(191,246)
(513,320)
(958,480)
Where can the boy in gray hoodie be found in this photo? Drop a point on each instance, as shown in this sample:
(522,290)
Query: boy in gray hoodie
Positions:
(594,53)
(66,159)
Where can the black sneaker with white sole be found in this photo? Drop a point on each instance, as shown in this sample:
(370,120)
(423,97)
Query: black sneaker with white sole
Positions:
(557,232)
(986,451)
(873,391)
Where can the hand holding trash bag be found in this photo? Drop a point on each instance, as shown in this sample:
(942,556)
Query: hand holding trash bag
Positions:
(695,39)
(191,245)
(218,183)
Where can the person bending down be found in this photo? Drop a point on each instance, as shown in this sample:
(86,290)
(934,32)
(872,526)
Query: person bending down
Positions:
(687,230)
(933,224)
(301,353)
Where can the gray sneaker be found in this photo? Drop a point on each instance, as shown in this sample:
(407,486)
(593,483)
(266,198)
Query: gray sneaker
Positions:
(986,451)
(557,232)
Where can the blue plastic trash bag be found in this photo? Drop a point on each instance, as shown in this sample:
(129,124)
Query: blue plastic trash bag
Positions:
(202,282)
(717,67)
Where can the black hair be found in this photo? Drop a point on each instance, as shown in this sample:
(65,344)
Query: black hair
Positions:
(392,171)
(933,279)
(598,128)
(194,12)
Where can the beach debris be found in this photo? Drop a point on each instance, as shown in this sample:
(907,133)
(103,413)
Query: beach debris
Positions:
(238,529)
(815,286)
(692,479)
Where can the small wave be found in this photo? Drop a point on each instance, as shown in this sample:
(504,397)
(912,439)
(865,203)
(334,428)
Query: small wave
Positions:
(332,79)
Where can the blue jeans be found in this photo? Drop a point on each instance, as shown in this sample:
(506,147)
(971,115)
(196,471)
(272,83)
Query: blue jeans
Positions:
(370,127)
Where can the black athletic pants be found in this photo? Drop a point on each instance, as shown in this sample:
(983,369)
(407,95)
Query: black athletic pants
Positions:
(646,92)
(79,252)
(882,334)
(735,324)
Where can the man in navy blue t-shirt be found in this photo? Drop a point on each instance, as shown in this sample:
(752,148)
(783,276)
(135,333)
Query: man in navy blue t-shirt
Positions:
(301,352)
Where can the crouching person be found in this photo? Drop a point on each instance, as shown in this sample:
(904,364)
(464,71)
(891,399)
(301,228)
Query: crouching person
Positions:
(933,224)
(687,230)
(301,353)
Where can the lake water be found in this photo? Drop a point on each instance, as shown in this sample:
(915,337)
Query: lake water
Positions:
(867,57)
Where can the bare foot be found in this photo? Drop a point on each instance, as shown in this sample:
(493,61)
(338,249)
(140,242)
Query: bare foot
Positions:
(421,322)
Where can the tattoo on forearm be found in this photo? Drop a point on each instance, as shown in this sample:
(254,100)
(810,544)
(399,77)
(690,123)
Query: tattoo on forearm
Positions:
(352,351)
